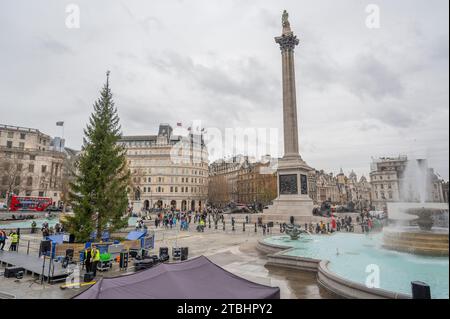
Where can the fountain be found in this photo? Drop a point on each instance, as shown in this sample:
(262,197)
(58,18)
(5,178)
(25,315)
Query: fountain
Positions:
(414,247)
(292,229)
(412,223)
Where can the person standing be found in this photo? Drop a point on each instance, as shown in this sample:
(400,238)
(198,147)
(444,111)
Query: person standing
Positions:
(95,259)
(14,241)
(333,223)
(88,259)
(2,239)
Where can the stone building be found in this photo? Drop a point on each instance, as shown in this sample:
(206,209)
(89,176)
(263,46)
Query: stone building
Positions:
(257,184)
(397,179)
(167,170)
(31,163)
(323,187)
(223,180)
(339,189)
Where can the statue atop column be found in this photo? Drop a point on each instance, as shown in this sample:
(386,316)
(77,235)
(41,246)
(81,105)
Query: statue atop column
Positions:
(285,22)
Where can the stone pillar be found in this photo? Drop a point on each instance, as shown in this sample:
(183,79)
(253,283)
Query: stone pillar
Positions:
(287,42)
(293,190)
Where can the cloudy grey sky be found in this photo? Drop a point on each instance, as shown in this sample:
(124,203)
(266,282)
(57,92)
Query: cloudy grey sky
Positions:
(361,92)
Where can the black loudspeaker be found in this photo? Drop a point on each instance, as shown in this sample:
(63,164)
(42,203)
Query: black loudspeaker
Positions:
(420,290)
(12,272)
(45,247)
(71,238)
(155,259)
(176,253)
(143,264)
(163,258)
(89,276)
(69,253)
(134,253)
(123,260)
(163,251)
(184,253)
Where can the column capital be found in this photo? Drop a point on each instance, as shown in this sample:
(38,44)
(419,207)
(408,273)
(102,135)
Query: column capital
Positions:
(287,41)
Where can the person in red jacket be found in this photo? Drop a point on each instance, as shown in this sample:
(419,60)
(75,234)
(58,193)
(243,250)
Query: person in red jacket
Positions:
(333,223)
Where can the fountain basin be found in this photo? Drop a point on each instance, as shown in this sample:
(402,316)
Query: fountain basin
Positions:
(417,241)
(348,257)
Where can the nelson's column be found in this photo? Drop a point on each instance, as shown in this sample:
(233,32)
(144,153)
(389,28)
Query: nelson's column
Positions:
(292,171)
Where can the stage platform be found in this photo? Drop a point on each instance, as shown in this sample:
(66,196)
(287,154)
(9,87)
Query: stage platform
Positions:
(33,265)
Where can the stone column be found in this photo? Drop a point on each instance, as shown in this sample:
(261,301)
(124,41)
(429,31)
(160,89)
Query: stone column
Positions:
(287,42)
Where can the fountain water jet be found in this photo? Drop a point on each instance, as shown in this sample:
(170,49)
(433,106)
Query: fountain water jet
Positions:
(413,220)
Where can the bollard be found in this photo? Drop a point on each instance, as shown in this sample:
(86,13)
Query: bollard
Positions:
(420,290)
(256,230)
(243,226)
(209,222)
(224,226)
(28,248)
(215,225)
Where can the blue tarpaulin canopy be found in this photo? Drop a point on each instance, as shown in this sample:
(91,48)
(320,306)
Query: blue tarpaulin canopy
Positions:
(57,239)
(136,234)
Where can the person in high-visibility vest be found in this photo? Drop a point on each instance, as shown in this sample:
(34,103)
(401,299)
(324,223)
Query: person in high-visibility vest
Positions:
(95,259)
(14,241)
(88,259)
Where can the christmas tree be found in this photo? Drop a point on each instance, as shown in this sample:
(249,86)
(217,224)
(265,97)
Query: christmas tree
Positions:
(99,191)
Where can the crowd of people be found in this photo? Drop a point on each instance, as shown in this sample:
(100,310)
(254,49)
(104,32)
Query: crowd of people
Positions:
(14,237)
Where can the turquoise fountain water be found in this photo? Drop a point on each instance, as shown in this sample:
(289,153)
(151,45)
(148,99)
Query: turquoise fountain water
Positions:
(350,254)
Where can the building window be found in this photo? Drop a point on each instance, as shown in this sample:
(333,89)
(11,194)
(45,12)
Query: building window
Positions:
(44,168)
(41,194)
(9,144)
(30,181)
(22,136)
(10,134)
(22,145)
(32,157)
(19,156)
(27,193)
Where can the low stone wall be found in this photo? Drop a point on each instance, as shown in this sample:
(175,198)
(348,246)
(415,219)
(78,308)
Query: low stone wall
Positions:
(340,286)
(267,248)
(349,289)
(302,263)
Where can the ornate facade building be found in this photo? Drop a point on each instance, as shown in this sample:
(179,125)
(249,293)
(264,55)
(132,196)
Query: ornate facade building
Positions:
(223,180)
(340,189)
(31,163)
(167,170)
(257,184)
(390,181)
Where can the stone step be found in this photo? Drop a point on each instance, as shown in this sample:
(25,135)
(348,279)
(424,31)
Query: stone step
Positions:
(419,250)
(417,237)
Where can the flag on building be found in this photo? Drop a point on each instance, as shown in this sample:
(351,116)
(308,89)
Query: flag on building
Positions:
(179,124)
(60,123)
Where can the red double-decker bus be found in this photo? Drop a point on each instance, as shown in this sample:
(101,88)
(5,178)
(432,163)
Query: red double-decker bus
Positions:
(37,204)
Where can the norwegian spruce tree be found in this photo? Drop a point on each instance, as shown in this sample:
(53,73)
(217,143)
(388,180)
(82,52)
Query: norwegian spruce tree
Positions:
(99,191)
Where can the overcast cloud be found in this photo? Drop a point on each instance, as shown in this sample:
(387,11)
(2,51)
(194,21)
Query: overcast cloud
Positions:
(361,92)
